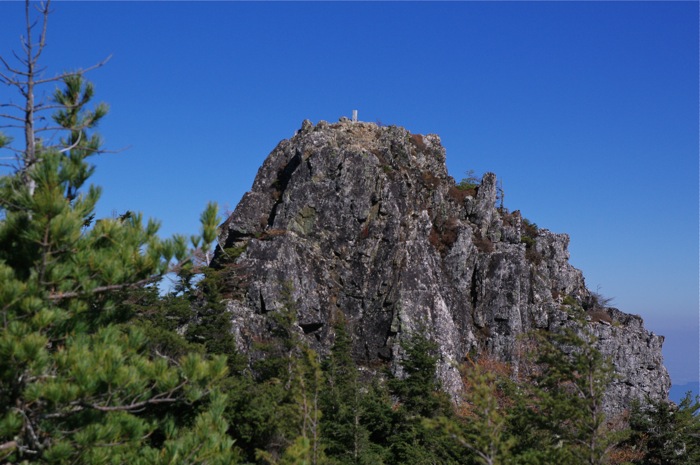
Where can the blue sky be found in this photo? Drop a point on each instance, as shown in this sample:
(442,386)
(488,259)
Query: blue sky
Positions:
(588,111)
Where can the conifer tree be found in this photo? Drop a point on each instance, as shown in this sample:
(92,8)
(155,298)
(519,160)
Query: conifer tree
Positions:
(377,418)
(340,400)
(76,385)
(419,390)
(481,426)
(564,419)
(278,407)
(664,433)
(414,440)
(345,433)
(27,77)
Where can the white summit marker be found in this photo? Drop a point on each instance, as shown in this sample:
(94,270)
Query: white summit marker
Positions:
(354,116)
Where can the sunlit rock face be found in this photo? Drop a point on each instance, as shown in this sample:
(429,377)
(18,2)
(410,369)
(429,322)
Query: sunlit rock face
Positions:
(363,221)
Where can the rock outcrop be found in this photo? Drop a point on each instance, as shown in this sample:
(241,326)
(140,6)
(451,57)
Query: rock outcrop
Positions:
(364,221)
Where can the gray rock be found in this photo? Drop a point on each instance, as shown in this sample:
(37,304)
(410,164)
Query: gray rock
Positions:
(364,221)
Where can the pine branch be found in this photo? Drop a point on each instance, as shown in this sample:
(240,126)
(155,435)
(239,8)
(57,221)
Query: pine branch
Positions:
(58,296)
(134,407)
(61,76)
(162,398)
(8,67)
(11,105)
(23,61)
(44,10)
(14,118)
(32,434)
(8,445)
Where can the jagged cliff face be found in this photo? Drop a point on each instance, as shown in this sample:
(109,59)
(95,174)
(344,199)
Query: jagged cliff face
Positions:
(364,221)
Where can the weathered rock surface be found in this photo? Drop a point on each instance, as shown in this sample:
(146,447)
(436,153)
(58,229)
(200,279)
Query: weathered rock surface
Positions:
(364,220)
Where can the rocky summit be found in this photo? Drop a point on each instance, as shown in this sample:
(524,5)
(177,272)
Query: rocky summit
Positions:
(361,221)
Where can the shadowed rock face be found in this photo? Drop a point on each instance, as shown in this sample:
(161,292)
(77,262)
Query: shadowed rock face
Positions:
(364,221)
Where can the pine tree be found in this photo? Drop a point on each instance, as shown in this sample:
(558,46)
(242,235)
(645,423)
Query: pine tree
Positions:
(413,438)
(78,385)
(66,367)
(562,419)
(345,434)
(26,78)
(664,433)
(481,426)
(419,389)
(278,407)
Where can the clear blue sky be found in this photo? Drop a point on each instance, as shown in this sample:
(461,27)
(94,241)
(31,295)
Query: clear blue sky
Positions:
(588,111)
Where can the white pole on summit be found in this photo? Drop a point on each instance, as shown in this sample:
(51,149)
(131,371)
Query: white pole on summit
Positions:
(354,116)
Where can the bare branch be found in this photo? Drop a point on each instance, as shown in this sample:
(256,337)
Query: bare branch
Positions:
(58,296)
(10,68)
(50,128)
(44,9)
(47,106)
(134,406)
(10,105)
(28,424)
(165,398)
(74,73)
(15,82)
(21,60)
(8,445)
(24,43)
(15,118)
(4,78)
(61,128)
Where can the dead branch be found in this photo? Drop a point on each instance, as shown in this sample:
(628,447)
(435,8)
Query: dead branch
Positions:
(8,445)
(79,72)
(58,296)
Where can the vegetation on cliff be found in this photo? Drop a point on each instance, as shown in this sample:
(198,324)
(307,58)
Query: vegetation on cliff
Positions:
(97,366)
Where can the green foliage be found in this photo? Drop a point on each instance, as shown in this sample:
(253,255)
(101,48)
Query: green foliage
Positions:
(529,228)
(377,416)
(297,453)
(278,407)
(528,241)
(232,253)
(419,390)
(5,140)
(348,415)
(210,323)
(470,182)
(664,433)
(206,442)
(340,400)
(571,301)
(97,367)
(561,418)
(79,384)
(253,409)
(528,237)
(412,440)
(482,430)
